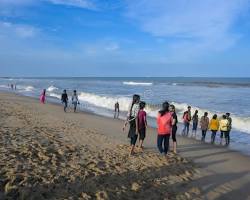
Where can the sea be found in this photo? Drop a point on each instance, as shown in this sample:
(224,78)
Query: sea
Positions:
(98,96)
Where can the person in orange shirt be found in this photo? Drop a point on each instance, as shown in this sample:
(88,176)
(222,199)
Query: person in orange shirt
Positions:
(214,127)
(164,124)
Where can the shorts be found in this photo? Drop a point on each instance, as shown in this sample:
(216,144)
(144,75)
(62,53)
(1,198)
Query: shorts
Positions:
(142,133)
(133,139)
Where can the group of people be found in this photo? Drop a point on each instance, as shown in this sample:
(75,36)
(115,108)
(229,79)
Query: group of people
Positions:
(137,119)
(224,125)
(64,99)
(167,121)
(12,86)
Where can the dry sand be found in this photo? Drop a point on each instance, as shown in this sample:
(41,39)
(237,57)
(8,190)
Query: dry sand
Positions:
(48,154)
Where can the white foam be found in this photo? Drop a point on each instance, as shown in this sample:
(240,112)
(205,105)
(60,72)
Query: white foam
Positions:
(137,83)
(55,95)
(4,86)
(25,88)
(51,88)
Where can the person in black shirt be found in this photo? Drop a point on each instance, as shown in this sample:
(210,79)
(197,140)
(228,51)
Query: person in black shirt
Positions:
(174,127)
(64,99)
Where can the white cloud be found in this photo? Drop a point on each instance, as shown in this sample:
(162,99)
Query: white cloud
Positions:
(75,3)
(194,27)
(9,30)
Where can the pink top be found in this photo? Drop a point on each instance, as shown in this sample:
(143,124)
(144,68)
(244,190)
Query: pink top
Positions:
(165,124)
(141,119)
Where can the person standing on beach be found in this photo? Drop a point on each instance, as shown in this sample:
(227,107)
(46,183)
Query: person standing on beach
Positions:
(229,126)
(75,100)
(186,121)
(214,127)
(204,122)
(195,119)
(174,127)
(142,124)
(224,127)
(117,110)
(164,127)
(43,97)
(64,99)
(132,119)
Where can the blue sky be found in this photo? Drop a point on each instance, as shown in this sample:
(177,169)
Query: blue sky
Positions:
(124,38)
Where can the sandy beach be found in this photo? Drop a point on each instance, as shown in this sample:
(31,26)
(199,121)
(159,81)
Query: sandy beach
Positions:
(48,154)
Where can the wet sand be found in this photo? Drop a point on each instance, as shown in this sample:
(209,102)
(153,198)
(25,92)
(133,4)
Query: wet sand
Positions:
(48,154)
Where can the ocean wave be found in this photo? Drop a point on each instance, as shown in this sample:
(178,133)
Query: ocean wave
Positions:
(25,88)
(137,83)
(51,88)
(55,95)
(4,86)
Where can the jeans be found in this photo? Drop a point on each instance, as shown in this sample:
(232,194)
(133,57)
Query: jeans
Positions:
(204,132)
(227,137)
(165,140)
(213,136)
(185,130)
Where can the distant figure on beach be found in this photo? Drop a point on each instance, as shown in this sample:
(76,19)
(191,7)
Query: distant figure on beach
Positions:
(186,121)
(164,128)
(214,126)
(132,119)
(64,100)
(75,100)
(142,124)
(195,119)
(15,86)
(43,96)
(174,127)
(229,126)
(11,86)
(204,123)
(117,110)
(224,127)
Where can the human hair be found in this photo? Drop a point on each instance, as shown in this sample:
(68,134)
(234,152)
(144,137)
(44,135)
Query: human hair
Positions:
(224,116)
(173,107)
(64,91)
(228,114)
(44,91)
(205,114)
(196,111)
(136,99)
(74,91)
(215,116)
(165,108)
(142,105)
(189,107)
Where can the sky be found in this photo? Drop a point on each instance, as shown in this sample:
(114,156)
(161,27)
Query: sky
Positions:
(125,38)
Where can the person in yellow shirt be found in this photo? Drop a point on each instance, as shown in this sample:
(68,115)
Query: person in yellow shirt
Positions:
(224,124)
(214,127)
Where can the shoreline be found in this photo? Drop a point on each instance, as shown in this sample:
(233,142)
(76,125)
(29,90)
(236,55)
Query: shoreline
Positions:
(221,173)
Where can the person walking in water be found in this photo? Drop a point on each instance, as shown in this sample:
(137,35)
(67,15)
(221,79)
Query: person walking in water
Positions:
(75,100)
(174,127)
(132,119)
(214,125)
(142,124)
(43,97)
(229,126)
(224,127)
(204,122)
(64,100)
(195,119)
(186,121)
(117,110)
(164,128)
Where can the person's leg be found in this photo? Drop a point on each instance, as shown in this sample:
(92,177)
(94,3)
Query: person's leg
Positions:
(64,107)
(228,137)
(221,136)
(133,142)
(187,127)
(75,104)
(142,133)
(166,143)
(159,143)
(174,130)
(213,137)
(184,129)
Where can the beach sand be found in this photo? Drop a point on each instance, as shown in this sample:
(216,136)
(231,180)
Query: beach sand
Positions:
(48,154)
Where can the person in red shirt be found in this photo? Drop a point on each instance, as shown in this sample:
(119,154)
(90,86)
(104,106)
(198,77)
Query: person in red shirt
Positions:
(142,124)
(164,124)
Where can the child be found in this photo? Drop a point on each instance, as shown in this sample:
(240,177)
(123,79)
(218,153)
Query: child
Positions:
(142,124)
